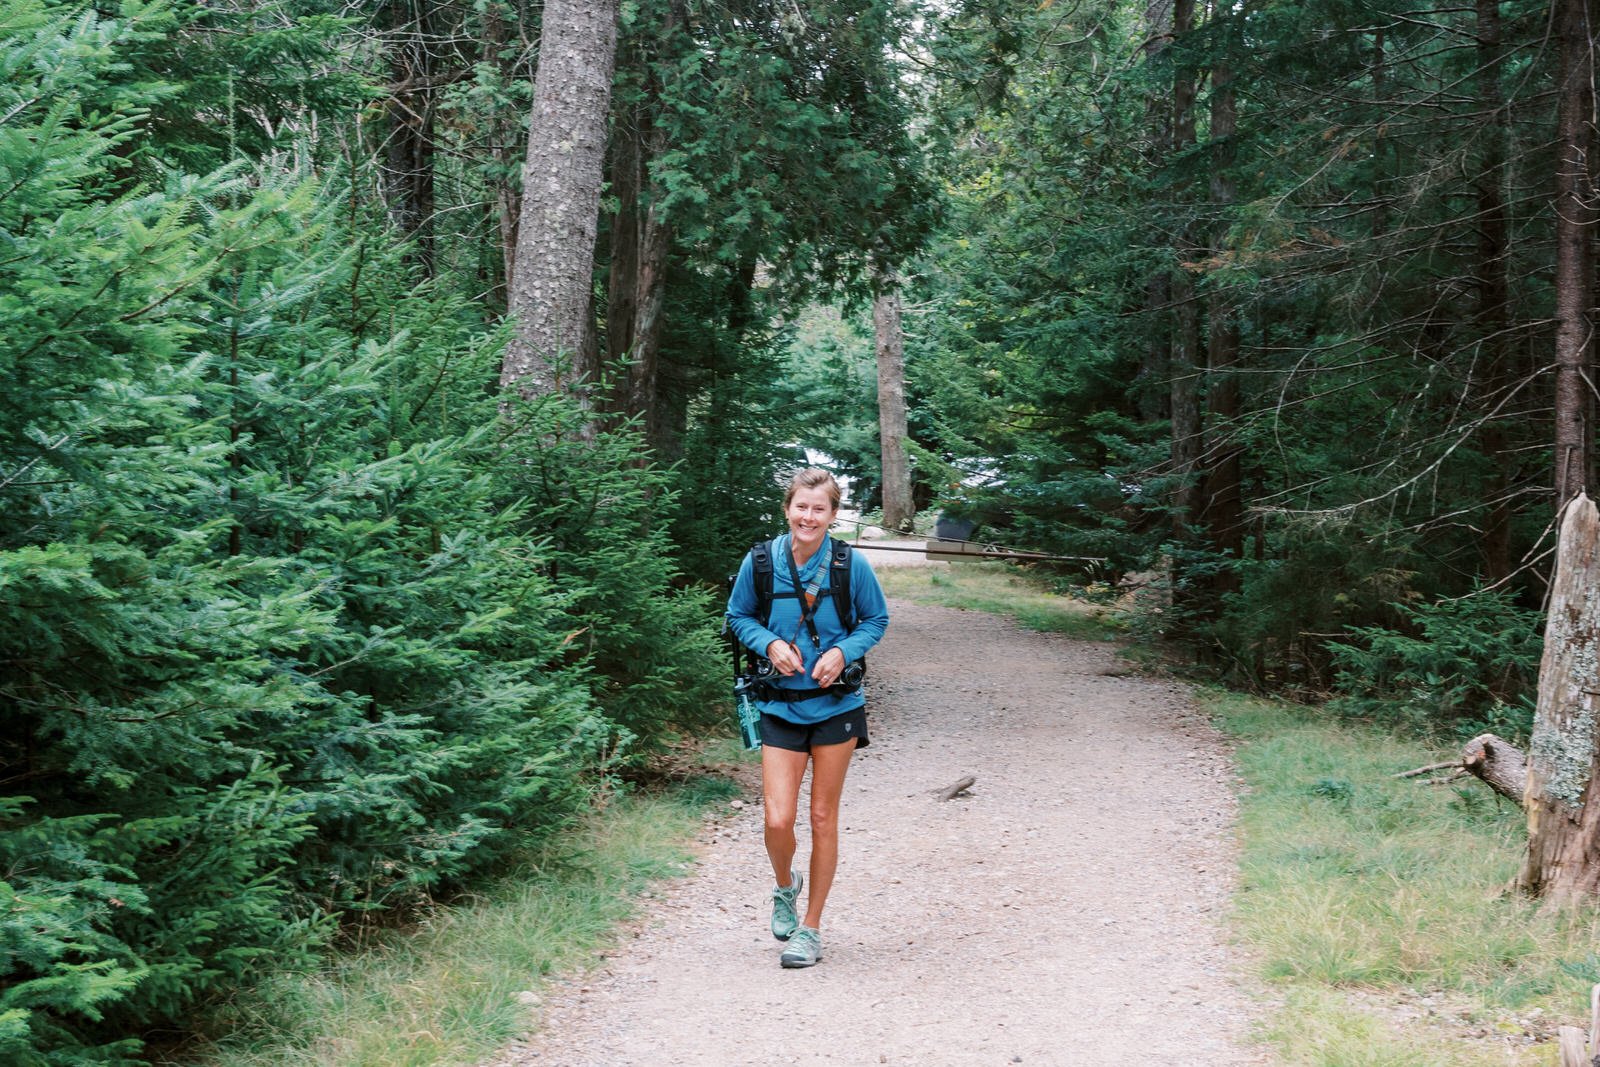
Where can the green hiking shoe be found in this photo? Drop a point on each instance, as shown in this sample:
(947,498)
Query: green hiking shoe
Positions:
(784,898)
(804,948)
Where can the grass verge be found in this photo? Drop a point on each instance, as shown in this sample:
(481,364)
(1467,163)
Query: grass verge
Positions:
(457,986)
(1380,909)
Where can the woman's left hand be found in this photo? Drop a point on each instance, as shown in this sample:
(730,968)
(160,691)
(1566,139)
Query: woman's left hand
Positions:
(828,667)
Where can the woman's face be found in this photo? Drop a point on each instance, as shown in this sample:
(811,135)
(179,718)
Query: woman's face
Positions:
(810,514)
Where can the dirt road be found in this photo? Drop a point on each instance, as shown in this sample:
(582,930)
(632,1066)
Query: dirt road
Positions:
(1067,910)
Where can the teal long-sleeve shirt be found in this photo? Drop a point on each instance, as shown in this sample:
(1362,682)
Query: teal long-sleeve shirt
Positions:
(867,601)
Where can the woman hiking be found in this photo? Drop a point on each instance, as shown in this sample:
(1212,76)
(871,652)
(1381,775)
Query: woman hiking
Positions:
(810,608)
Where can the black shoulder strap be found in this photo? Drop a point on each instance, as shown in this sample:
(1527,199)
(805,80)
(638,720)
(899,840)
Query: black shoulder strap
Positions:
(838,581)
(839,584)
(761,567)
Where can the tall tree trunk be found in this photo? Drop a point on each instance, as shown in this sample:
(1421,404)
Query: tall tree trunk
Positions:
(1492,312)
(1155,394)
(1380,138)
(409,140)
(1575,217)
(642,250)
(1562,863)
(552,289)
(645,380)
(641,247)
(1186,311)
(622,291)
(1224,509)
(898,509)
(505,203)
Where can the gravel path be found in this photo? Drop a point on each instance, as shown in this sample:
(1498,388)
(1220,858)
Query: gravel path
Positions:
(1067,910)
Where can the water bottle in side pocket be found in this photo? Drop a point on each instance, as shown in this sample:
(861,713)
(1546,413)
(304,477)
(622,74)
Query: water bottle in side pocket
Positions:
(744,701)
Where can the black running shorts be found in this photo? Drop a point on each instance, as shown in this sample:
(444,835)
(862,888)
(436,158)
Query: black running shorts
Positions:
(801,737)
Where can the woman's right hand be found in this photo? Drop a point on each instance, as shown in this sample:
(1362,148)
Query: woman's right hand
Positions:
(785,658)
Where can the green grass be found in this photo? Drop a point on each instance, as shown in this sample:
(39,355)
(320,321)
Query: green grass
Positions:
(1363,897)
(1001,590)
(446,991)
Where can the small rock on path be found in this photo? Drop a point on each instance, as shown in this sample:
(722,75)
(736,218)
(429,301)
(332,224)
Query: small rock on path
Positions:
(1066,911)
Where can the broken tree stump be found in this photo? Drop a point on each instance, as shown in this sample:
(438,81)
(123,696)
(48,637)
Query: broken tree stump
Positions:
(1562,865)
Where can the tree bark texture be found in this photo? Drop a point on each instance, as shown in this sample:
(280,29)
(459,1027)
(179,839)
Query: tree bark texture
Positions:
(1155,369)
(641,251)
(1562,864)
(898,509)
(505,203)
(622,260)
(1492,309)
(1574,277)
(1185,395)
(408,149)
(1499,764)
(552,288)
(1224,505)
(644,365)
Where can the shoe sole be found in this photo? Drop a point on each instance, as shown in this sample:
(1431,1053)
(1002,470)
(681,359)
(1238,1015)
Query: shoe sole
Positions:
(795,965)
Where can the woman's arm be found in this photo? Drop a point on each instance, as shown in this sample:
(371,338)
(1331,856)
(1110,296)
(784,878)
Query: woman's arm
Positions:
(742,607)
(870,607)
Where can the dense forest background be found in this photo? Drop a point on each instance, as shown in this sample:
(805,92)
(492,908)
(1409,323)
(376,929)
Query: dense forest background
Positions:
(1281,308)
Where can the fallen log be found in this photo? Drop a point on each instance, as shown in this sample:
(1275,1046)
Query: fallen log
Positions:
(1493,760)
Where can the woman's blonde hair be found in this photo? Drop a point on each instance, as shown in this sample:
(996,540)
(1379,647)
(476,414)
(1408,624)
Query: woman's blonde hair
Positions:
(813,478)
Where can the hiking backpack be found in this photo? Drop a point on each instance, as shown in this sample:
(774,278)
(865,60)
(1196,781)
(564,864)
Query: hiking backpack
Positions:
(762,567)
(838,582)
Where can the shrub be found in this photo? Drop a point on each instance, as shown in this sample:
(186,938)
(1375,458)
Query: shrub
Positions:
(290,628)
(1464,665)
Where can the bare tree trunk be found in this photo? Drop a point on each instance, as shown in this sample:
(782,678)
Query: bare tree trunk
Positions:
(1186,311)
(1224,507)
(627,187)
(644,371)
(507,204)
(641,246)
(1575,218)
(1155,395)
(1492,311)
(898,509)
(1562,863)
(552,289)
(641,253)
(409,142)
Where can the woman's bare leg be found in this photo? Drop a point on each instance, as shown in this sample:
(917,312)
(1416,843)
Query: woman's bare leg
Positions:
(829,763)
(781,772)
